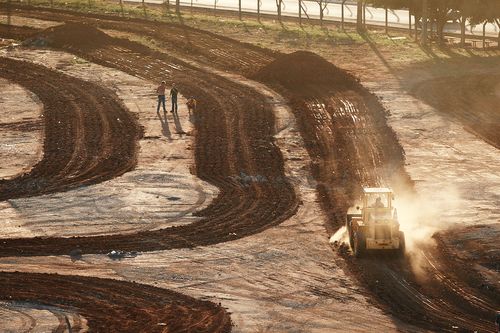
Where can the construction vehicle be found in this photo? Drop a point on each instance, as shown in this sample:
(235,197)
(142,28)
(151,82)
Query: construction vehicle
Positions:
(373,223)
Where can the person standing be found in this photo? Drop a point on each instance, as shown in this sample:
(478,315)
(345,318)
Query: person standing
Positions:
(173,96)
(497,321)
(160,91)
(191,104)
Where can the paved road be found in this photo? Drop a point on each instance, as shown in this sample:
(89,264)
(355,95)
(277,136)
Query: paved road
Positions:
(375,16)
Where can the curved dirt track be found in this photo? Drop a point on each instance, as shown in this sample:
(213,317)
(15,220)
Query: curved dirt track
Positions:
(336,122)
(235,139)
(89,136)
(346,134)
(472,100)
(83,146)
(116,306)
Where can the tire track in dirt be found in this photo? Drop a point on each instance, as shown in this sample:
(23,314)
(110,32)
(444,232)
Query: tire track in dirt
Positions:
(89,136)
(232,117)
(78,150)
(346,133)
(337,190)
(116,306)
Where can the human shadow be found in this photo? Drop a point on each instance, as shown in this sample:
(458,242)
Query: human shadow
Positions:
(165,130)
(177,123)
(191,116)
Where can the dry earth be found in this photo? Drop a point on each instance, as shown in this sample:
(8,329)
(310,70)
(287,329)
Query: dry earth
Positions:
(294,282)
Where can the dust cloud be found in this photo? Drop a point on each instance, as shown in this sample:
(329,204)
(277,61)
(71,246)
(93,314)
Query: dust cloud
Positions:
(422,215)
(340,236)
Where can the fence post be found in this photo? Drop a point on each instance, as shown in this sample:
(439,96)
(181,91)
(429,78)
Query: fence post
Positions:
(409,20)
(484,34)
(8,13)
(300,12)
(386,21)
(258,10)
(239,9)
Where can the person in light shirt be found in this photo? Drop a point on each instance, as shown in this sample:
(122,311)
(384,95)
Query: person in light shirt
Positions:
(160,91)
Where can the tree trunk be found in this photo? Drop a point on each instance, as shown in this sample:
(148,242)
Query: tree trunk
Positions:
(239,9)
(342,21)
(364,15)
(440,29)
(359,17)
(409,21)
(386,20)
(278,6)
(498,40)
(321,12)
(484,34)
(462,31)
(178,7)
(8,13)
(300,12)
(258,10)
(424,40)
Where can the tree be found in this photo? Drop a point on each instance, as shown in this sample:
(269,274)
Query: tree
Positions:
(279,3)
(322,6)
(359,17)
(485,11)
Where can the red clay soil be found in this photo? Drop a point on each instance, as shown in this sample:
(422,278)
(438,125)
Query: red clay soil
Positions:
(89,135)
(472,100)
(15,32)
(343,124)
(115,306)
(302,68)
(233,137)
(179,40)
(346,134)
(347,137)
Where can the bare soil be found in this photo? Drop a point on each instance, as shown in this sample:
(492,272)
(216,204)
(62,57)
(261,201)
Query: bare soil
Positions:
(345,133)
(116,306)
(90,139)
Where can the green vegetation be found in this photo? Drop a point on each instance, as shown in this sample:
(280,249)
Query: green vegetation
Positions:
(328,40)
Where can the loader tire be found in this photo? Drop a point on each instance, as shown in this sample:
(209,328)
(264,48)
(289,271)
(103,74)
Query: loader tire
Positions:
(402,244)
(359,248)
(348,225)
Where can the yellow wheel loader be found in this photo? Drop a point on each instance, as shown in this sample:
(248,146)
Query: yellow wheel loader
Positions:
(373,223)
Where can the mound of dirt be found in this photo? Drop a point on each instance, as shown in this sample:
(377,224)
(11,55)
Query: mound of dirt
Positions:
(294,70)
(71,35)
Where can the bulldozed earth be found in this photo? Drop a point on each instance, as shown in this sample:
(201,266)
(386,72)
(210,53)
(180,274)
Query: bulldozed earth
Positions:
(119,218)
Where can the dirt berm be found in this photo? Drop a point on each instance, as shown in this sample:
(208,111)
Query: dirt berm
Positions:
(302,68)
(346,134)
(234,137)
(343,124)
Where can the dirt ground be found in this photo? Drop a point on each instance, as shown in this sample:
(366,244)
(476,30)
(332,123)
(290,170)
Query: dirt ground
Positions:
(277,192)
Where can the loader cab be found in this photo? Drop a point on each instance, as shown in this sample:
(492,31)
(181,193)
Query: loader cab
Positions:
(377,204)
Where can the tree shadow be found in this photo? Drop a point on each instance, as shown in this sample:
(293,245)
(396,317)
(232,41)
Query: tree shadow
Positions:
(366,37)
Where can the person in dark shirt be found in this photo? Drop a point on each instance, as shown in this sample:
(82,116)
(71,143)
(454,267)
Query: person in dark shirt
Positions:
(173,96)
(378,203)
